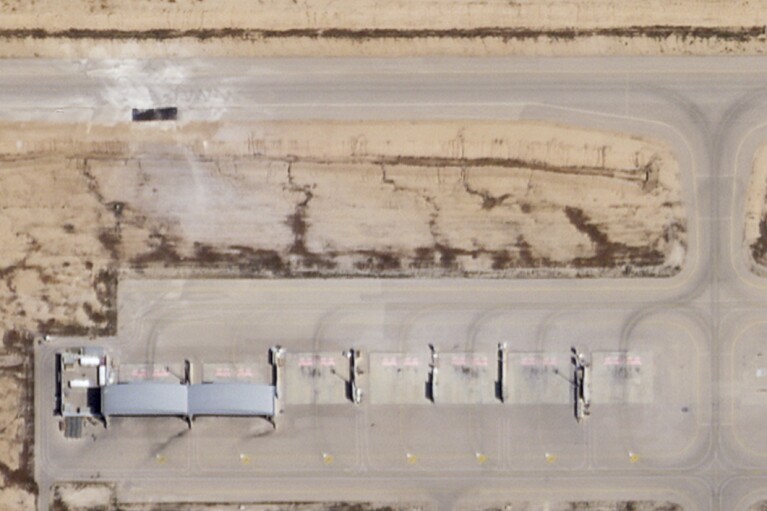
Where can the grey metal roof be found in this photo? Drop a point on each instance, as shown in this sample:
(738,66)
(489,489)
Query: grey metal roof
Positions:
(246,399)
(152,398)
(145,398)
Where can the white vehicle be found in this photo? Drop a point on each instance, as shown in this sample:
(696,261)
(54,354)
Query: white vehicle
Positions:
(79,384)
(581,385)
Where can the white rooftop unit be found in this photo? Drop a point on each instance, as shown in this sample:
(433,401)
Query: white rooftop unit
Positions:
(89,361)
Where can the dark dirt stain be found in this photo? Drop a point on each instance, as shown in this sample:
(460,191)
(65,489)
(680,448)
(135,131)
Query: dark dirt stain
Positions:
(526,254)
(731,34)
(163,251)
(424,258)
(522,258)
(298,224)
(583,223)
(110,239)
(307,259)
(609,254)
(639,175)
(377,261)
(247,260)
(58,504)
(280,506)
(54,327)
(105,286)
(448,255)
(502,260)
(94,315)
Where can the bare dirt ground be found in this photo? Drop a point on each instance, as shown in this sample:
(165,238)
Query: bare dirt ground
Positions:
(123,28)
(470,199)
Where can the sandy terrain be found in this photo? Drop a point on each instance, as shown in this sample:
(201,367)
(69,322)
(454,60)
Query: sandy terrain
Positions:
(331,199)
(505,42)
(98,28)
(373,14)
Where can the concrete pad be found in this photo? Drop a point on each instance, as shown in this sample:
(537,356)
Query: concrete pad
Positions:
(251,373)
(539,378)
(171,373)
(398,378)
(467,378)
(622,377)
(316,378)
(405,437)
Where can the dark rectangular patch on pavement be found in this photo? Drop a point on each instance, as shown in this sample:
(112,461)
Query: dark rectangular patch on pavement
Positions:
(155,114)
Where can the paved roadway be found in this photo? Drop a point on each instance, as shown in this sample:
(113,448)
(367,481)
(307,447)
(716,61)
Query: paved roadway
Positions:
(704,327)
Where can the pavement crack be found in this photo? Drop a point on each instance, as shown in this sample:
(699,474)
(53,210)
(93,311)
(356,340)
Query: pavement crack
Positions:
(424,196)
(91,181)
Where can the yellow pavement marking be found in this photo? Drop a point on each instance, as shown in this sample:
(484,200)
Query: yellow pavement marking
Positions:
(550,458)
(481,458)
(327,459)
(411,458)
(244,458)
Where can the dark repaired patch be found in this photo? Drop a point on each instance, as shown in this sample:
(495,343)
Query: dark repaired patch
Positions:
(155,114)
